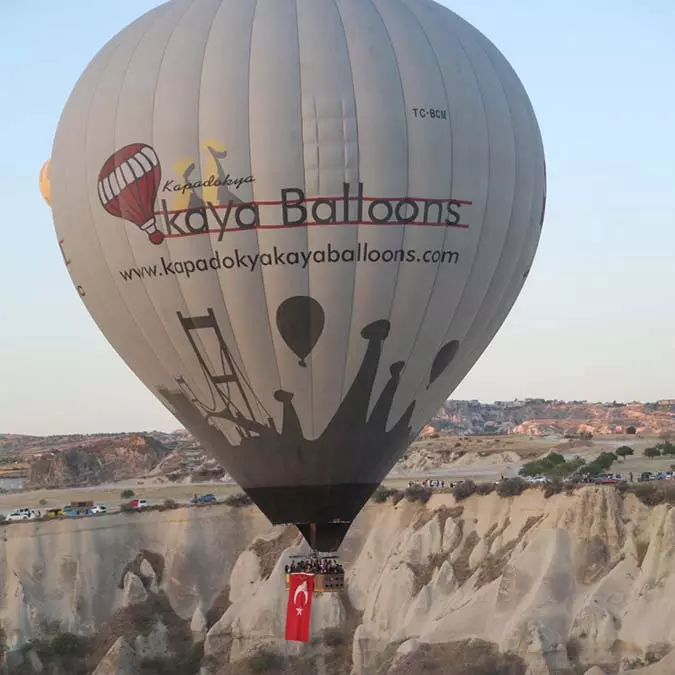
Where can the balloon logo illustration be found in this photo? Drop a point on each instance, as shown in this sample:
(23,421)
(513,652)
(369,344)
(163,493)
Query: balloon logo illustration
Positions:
(300,321)
(127,187)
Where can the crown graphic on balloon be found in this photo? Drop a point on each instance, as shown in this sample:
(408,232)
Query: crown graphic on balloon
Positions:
(127,187)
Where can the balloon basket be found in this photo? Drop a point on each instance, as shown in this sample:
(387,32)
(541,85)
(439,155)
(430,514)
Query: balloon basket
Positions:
(327,572)
(323,583)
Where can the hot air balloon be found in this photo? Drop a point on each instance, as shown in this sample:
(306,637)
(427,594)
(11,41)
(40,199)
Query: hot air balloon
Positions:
(300,223)
(44,182)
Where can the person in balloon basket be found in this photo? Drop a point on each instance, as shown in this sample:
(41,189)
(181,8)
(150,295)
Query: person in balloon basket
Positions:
(314,566)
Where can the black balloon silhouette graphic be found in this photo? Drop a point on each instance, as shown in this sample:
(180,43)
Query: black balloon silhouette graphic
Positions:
(319,483)
(300,321)
(445,355)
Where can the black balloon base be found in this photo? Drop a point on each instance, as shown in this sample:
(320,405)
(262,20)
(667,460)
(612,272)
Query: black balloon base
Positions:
(330,508)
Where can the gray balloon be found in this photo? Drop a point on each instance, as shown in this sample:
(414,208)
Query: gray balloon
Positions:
(380,157)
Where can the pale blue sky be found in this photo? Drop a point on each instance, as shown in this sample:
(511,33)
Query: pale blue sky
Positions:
(595,319)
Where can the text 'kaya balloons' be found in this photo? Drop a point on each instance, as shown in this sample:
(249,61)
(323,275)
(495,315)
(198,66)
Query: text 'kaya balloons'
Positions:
(300,222)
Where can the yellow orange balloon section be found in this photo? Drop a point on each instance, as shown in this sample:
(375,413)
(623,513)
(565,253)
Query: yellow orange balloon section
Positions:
(45,189)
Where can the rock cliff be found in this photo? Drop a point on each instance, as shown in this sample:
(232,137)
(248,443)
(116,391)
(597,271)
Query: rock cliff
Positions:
(528,584)
(97,461)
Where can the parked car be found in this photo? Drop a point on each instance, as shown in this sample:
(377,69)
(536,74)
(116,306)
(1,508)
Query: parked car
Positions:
(204,499)
(99,508)
(19,514)
(138,503)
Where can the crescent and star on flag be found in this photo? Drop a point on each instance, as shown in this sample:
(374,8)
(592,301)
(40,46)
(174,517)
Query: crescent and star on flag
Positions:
(300,590)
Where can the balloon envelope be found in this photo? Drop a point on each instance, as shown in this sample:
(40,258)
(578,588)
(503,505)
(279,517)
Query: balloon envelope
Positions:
(240,185)
(45,183)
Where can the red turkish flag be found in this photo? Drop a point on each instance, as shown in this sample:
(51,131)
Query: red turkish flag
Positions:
(300,592)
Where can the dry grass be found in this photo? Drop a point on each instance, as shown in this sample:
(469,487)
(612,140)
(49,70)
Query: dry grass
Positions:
(468,657)
(269,550)
(461,565)
(494,565)
(593,560)
(129,622)
(653,494)
(423,518)
(424,573)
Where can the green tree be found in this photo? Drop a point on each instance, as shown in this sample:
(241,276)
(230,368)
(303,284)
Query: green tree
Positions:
(551,466)
(652,452)
(631,430)
(127,494)
(666,448)
(605,460)
(592,469)
(624,451)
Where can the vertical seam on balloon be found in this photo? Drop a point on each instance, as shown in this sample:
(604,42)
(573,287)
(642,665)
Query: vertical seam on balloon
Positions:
(250,161)
(365,458)
(187,374)
(66,184)
(456,35)
(240,361)
(465,357)
(358,169)
(534,217)
(358,172)
(407,160)
(88,201)
(197,338)
(309,361)
(469,355)
(452,165)
(447,231)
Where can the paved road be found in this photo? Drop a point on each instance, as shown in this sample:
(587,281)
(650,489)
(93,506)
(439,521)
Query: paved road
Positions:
(181,494)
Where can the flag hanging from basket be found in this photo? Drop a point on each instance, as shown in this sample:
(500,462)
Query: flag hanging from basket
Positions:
(299,607)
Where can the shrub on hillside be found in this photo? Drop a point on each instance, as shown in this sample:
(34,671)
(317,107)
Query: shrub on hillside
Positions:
(511,487)
(383,493)
(127,494)
(265,660)
(649,495)
(418,493)
(238,500)
(463,490)
(68,645)
(334,637)
(553,487)
(170,504)
(485,488)
(397,497)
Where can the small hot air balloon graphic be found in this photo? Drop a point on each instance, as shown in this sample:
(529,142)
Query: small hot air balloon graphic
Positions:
(300,321)
(127,187)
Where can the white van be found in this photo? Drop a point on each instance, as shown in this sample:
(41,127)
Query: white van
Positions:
(19,514)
